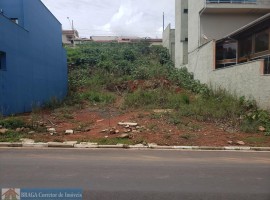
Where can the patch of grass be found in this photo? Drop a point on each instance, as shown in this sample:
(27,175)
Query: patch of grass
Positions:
(152,127)
(12,123)
(11,136)
(112,141)
(64,112)
(159,98)
(257,140)
(53,103)
(249,126)
(98,97)
(156,115)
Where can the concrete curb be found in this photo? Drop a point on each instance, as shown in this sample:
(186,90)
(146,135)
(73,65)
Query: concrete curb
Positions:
(9,144)
(73,144)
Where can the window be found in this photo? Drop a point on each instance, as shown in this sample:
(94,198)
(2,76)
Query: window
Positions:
(185,11)
(2,60)
(226,54)
(245,47)
(262,41)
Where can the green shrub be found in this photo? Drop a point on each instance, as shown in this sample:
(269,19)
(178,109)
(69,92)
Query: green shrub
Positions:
(98,97)
(12,123)
(11,136)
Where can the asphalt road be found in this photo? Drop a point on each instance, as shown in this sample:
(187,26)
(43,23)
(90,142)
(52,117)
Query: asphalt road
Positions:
(139,174)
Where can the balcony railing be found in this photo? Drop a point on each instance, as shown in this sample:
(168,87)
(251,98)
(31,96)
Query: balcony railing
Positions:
(233,1)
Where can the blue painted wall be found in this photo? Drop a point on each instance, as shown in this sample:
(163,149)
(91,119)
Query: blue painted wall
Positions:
(36,64)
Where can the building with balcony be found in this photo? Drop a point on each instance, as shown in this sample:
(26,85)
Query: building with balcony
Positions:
(69,36)
(33,62)
(225,43)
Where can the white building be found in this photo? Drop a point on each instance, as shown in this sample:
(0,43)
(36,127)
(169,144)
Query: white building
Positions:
(212,38)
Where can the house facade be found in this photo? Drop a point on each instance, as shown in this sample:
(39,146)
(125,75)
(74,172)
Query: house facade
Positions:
(168,40)
(206,30)
(68,36)
(33,67)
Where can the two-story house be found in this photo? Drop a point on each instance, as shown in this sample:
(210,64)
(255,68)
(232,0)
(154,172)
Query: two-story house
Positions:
(210,39)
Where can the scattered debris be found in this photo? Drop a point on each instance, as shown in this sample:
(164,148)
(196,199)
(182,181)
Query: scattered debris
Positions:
(26,140)
(152,145)
(230,142)
(51,122)
(261,129)
(127,124)
(124,136)
(69,132)
(162,111)
(114,131)
(31,132)
(128,130)
(52,131)
(87,129)
(240,143)
(3,130)
(19,129)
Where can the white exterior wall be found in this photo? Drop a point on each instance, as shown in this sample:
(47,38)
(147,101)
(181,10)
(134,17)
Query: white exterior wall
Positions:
(243,79)
(195,7)
(181,32)
(201,62)
(168,41)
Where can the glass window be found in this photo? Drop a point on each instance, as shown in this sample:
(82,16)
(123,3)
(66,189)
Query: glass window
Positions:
(226,54)
(2,60)
(226,50)
(245,47)
(229,50)
(262,41)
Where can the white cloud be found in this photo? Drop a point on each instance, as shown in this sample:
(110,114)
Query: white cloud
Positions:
(117,17)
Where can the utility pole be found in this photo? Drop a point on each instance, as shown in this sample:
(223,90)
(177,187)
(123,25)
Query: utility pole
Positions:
(71,24)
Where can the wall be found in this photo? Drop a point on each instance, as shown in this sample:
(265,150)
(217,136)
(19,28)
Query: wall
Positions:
(168,40)
(195,7)
(226,23)
(36,61)
(245,80)
(242,79)
(181,32)
(201,62)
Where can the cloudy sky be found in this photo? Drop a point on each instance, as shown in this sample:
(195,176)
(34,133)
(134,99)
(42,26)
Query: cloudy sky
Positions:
(114,17)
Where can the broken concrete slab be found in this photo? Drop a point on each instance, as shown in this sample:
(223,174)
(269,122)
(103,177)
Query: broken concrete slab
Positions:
(127,124)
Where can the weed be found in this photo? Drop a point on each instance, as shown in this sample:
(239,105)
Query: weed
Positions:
(112,141)
(255,140)
(12,123)
(167,136)
(187,136)
(98,97)
(11,136)
(152,127)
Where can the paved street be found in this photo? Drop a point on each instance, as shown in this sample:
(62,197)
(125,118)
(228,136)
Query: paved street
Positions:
(138,174)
